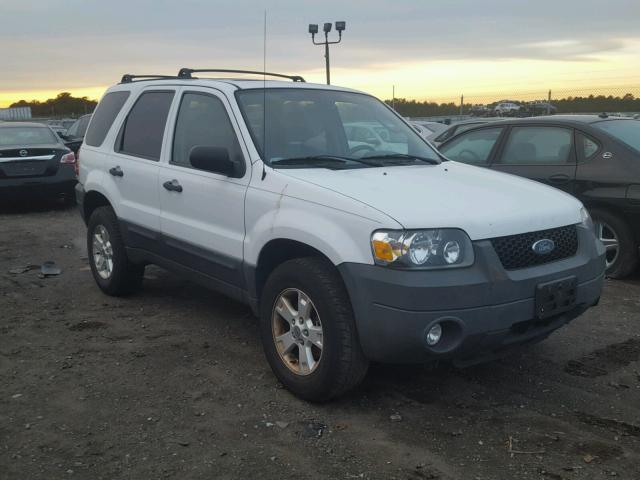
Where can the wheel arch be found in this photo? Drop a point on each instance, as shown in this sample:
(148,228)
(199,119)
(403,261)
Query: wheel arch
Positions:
(274,253)
(92,200)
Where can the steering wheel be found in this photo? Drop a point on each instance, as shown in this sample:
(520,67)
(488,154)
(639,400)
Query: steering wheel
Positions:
(470,154)
(361,149)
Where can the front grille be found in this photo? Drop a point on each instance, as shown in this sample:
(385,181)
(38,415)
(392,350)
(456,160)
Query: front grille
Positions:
(515,251)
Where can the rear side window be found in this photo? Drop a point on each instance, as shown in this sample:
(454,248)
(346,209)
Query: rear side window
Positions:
(473,147)
(203,121)
(105,114)
(142,132)
(538,146)
(587,146)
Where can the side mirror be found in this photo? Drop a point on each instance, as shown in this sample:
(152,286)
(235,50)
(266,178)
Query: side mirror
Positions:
(212,159)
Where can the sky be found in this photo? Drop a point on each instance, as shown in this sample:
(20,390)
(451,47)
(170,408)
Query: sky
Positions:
(426,49)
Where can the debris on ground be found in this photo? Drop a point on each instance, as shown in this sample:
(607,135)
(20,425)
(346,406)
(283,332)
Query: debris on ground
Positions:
(49,269)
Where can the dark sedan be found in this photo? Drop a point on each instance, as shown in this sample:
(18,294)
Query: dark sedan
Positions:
(74,136)
(595,158)
(34,162)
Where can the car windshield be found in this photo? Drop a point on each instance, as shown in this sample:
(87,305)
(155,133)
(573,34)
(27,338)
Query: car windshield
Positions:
(627,131)
(305,126)
(24,136)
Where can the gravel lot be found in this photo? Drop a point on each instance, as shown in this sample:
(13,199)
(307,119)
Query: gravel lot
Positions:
(172,383)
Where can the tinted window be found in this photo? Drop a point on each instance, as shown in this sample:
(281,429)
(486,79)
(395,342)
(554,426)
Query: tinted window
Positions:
(203,121)
(473,147)
(105,114)
(627,131)
(143,129)
(538,145)
(83,123)
(467,126)
(26,136)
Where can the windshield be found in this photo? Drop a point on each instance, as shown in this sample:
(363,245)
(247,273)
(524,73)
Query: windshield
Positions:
(25,136)
(627,131)
(310,124)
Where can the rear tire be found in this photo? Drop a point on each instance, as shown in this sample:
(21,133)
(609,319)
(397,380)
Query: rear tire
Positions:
(111,268)
(340,364)
(626,260)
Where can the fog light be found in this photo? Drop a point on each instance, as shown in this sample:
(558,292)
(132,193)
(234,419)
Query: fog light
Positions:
(434,334)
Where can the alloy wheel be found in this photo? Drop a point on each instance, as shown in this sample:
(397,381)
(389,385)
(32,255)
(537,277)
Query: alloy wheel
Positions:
(102,252)
(297,331)
(609,239)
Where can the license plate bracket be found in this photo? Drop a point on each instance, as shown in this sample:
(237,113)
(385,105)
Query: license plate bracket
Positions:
(554,298)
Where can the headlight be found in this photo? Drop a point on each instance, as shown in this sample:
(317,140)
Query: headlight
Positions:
(436,248)
(585,219)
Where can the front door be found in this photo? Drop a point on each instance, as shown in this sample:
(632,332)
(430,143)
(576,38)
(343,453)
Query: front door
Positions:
(542,153)
(202,218)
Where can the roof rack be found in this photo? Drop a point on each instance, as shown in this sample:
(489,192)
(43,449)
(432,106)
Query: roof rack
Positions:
(186,73)
(128,78)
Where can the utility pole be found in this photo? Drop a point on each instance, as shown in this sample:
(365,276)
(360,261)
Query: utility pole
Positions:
(326,28)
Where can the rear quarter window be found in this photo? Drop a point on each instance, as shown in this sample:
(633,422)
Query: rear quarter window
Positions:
(103,117)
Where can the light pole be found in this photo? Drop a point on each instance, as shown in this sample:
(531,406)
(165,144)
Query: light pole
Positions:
(326,28)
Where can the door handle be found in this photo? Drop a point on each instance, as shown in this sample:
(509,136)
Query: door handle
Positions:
(172,186)
(116,171)
(559,179)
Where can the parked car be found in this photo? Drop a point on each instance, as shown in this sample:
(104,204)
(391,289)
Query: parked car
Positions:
(432,127)
(595,158)
(74,135)
(365,137)
(456,128)
(347,255)
(34,162)
(534,109)
(505,109)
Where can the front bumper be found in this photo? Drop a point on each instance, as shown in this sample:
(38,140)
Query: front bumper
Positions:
(484,309)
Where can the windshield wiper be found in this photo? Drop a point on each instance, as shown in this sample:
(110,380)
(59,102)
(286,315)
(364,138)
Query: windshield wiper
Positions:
(403,156)
(320,161)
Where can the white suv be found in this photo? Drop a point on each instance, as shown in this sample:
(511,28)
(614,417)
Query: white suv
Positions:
(347,254)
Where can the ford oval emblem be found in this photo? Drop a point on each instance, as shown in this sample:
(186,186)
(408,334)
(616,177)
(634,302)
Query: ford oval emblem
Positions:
(544,246)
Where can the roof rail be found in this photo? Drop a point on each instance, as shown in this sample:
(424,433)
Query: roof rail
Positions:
(186,73)
(128,78)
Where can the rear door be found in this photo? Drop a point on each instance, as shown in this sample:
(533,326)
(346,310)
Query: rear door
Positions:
(203,212)
(132,170)
(545,153)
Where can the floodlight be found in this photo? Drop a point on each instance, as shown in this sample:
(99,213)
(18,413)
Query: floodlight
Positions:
(327,27)
(340,26)
(313,28)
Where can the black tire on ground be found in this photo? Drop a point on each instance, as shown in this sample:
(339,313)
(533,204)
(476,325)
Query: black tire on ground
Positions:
(126,277)
(627,260)
(342,365)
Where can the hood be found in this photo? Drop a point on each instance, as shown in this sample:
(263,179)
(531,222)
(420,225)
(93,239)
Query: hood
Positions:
(484,203)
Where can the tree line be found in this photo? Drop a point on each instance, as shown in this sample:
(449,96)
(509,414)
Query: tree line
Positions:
(63,105)
(586,104)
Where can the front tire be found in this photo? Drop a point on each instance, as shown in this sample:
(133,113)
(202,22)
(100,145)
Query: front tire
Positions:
(308,330)
(618,239)
(111,268)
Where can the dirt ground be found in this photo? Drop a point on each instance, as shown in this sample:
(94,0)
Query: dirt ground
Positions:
(172,383)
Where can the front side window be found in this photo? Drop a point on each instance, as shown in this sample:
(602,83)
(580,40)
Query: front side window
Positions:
(143,130)
(26,136)
(203,121)
(627,131)
(106,112)
(538,146)
(312,123)
(473,147)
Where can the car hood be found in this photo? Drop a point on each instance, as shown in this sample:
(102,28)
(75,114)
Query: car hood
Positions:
(484,203)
